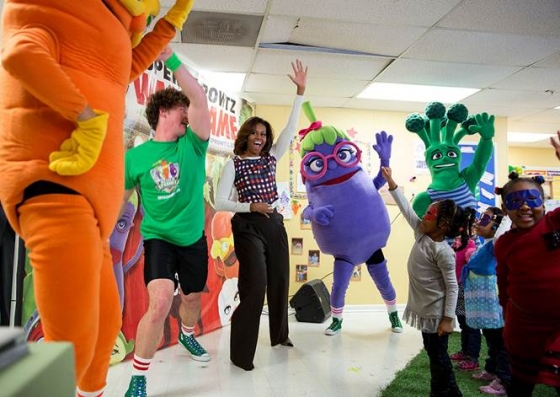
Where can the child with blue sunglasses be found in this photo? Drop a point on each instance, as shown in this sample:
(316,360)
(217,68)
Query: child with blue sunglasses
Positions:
(528,270)
(482,308)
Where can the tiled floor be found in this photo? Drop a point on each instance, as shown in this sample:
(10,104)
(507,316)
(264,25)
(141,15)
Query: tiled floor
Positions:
(358,362)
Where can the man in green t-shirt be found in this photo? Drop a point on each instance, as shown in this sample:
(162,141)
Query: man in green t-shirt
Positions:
(169,172)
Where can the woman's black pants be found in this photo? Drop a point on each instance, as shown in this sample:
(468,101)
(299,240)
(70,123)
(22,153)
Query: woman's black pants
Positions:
(261,246)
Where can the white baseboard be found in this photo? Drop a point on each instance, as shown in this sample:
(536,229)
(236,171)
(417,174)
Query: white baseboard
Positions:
(379,308)
(371,308)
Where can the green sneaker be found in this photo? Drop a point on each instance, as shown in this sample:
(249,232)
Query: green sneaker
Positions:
(191,344)
(396,325)
(335,327)
(137,387)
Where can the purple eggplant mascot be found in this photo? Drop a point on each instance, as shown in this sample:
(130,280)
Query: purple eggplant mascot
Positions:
(348,216)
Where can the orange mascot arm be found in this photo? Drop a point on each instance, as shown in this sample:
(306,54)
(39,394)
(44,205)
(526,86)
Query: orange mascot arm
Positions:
(152,44)
(31,56)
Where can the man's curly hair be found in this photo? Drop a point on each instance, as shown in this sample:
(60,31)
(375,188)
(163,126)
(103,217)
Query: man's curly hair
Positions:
(165,99)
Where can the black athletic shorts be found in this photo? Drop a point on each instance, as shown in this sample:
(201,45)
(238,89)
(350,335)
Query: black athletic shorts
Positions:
(187,265)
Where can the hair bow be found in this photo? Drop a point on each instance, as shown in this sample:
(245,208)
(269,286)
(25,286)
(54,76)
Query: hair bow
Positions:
(312,127)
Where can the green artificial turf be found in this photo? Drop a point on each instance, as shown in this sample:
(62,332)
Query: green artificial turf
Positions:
(414,379)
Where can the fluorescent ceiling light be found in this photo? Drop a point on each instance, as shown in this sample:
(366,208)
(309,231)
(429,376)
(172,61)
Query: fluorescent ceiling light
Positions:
(526,137)
(227,82)
(557,107)
(416,93)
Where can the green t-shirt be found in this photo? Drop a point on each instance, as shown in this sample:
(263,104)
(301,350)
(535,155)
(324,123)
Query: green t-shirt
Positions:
(171,177)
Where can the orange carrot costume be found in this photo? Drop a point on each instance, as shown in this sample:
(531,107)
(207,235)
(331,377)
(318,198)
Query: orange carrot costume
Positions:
(57,57)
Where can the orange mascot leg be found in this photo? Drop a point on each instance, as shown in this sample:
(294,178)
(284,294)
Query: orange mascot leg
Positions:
(58,229)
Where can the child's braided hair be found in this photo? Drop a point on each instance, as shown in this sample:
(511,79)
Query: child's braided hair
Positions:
(459,221)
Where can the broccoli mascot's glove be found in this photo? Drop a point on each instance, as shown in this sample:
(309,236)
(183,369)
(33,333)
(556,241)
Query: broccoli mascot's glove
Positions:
(79,153)
(177,15)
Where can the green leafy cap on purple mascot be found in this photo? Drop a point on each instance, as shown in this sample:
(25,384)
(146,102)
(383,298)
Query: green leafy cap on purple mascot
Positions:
(317,133)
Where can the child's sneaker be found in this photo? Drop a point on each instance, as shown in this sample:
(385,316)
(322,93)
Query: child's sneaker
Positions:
(191,344)
(495,388)
(484,375)
(335,327)
(459,356)
(137,387)
(467,365)
(396,325)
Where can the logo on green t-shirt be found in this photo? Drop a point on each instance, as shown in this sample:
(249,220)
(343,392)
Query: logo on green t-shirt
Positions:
(165,176)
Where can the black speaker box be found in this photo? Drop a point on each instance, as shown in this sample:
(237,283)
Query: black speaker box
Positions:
(312,302)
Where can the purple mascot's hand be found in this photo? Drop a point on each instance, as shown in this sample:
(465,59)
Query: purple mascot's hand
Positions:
(322,215)
(383,146)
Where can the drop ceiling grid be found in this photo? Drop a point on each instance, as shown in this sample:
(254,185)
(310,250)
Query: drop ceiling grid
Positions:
(217,58)
(403,12)
(482,48)
(269,61)
(533,79)
(384,105)
(388,40)
(450,74)
(546,116)
(287,100)
(278,29)
(506,16)
(510,112)
(513,98)
(510,46)
(276,84)
(552,61)
(235,6)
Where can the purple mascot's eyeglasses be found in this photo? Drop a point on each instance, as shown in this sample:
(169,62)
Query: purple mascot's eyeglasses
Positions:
(314,164)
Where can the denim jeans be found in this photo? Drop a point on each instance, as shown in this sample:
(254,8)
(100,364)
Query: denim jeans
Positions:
(497,361)
(470,339)
(442,383)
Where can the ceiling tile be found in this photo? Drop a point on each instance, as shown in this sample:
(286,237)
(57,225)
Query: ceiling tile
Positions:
(287,100)
(320,65)
(506,16)
(553,61)
(482,48)
(501,110)
(512,98)
(368,38)
(237,6)
(413,71)
(533,79)
(392,106)
(547,116)
(278,28)
(217,58)
(315,86)
(402,12)
(262,98)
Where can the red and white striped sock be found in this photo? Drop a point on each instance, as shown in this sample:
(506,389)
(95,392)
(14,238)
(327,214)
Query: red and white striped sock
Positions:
(187,330)
(337,312)
(140,365)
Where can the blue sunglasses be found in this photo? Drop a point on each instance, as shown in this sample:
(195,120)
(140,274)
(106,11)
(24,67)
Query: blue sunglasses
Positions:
(531,197)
